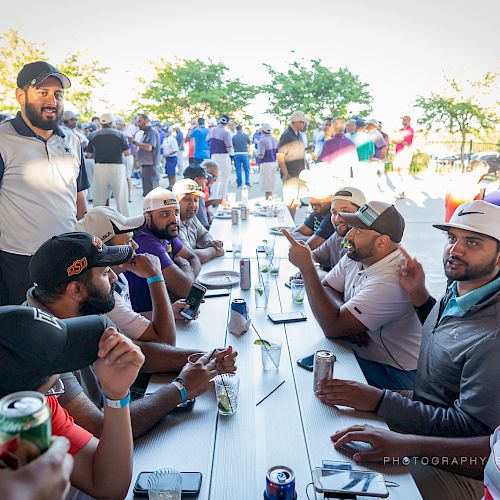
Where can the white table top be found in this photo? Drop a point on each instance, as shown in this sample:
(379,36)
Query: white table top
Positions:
(291,427)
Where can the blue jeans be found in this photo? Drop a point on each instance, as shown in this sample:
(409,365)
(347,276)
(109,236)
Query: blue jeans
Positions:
(386,377)
(242,161)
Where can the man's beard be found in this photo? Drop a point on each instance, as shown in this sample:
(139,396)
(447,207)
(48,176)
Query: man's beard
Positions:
(359,255)
(97,302)
(162,234)
(467,272)
(342,232)
(35,116)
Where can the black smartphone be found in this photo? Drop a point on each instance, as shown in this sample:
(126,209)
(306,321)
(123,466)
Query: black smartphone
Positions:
(217,292)
(288,317)
(186,406)
(194,299)
(307,362)
(191,483)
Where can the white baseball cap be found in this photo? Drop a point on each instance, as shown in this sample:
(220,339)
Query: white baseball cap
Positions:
(106,222)
(320,180)
(187,186)
(266,128)
(351,194)
(106,119)
(212,122)
(159,198)
(476,216)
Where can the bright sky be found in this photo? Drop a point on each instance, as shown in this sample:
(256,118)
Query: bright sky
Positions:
(401,49)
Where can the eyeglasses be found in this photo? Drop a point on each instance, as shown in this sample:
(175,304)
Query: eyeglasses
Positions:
(57,389)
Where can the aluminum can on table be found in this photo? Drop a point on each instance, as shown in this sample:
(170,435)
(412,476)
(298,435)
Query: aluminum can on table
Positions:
(323,366)
(280,483)
(240,306)
(245,278)
(235,215)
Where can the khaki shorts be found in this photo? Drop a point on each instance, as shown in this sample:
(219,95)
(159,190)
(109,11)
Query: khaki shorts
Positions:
(293,190)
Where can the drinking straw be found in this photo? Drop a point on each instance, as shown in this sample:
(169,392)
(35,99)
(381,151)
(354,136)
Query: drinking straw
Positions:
(275,389)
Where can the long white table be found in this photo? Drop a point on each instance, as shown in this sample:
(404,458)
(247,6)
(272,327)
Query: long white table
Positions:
(291,427)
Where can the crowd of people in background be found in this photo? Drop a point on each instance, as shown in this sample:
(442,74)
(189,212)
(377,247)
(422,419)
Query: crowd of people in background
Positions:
(431,365)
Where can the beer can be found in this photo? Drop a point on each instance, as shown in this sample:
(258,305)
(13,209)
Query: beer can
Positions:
(244,212)
(25,428)
(240,306)
(280,483)
(245,278)
(323,367)
(235,215)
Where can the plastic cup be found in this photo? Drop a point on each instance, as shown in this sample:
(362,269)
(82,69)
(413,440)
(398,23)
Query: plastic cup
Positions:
(298,291)
(274,267)
(231,199)
(237,246)
(264,272)
(227,386)
(271,356)
(165,484)
(261,291)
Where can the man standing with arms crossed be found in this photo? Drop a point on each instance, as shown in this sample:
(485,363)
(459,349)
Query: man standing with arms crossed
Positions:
(42,176)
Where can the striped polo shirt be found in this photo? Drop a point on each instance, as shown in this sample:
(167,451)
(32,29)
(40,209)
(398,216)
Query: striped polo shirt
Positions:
(39,181)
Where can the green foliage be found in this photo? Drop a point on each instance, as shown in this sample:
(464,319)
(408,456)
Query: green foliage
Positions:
(419,162)
(459,113)
(316,90)
(193,88)
(15,52)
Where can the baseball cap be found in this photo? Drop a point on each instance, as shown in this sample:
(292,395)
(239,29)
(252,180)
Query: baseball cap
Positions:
(194,171)
(92,127)
(34,345)
(477,216)
(106,119)
(360,123)
(36,72)
(212,122)
(266,128)
(351,194)
(224,119)
(378,216)
(372,121)
(298,116)
(68,115)
(186,186)
(159,198)
(320,180)
(406,117)
(119,119)
(65,257)
(176,125)
(106,222)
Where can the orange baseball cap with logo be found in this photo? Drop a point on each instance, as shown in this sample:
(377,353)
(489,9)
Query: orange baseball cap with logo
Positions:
(65,257)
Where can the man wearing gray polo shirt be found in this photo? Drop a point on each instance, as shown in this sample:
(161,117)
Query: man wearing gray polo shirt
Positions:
(362,293)
(42,176)
(148,154)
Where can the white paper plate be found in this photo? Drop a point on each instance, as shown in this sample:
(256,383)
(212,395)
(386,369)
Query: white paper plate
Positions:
(223,215)
(219,279)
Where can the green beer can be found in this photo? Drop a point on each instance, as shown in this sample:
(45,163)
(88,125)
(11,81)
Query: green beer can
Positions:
(25,428)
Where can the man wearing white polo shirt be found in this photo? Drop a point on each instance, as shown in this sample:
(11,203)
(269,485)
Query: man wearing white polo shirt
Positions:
(362,293)
(42,176)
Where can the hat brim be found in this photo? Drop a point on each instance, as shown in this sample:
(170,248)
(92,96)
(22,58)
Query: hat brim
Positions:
(445,227)
(353,221)
(65,81)
(196,193)
(129,225)
(113,256)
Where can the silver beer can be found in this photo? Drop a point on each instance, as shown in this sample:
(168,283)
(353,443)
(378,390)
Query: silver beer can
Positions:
(245,278)
(244,212)
(323,367)
(235,215)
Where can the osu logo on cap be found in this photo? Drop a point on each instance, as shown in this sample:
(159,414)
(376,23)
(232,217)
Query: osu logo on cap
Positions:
(78,266)
(97,243)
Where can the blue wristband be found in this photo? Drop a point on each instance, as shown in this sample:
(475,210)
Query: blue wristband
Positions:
(154,279)
(179,383)
(117,403)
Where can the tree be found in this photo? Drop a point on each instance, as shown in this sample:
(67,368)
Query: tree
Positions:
(15,52)
(316,90)
(460,113)
(187,88)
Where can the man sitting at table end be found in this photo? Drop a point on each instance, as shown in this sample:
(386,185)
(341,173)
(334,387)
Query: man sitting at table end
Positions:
(179,264)
(191,231)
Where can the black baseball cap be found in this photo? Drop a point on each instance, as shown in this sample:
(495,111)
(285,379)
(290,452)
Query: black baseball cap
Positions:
(36,72)
(34,345)
(65,257)
(378,216)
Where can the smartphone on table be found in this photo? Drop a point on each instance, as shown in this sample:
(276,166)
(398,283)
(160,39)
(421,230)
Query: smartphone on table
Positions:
(352,482)
(307,362)
(191,483)
(287,317)
(193,300)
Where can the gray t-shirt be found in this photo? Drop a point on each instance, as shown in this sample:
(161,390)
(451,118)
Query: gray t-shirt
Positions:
(151,136)
(330,251)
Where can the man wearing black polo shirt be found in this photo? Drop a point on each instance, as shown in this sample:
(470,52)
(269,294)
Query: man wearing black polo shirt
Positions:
(291,158)
(108,146)
(42,176)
